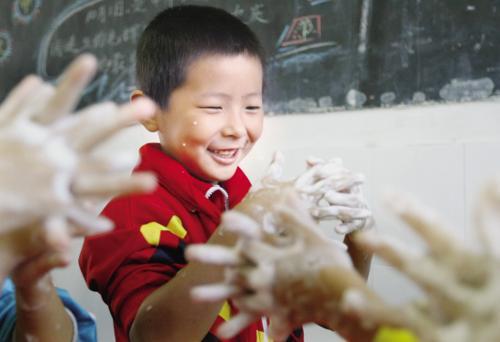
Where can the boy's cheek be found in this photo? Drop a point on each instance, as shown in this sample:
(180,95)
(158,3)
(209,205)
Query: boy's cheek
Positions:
(260,123)
(256,132)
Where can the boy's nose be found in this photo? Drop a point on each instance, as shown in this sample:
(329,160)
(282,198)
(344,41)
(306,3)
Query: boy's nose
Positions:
(234,125)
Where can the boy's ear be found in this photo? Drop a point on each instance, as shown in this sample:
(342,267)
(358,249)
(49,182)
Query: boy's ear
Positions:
(150,124)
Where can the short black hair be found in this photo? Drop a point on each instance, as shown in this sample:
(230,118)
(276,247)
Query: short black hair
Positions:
(179,35)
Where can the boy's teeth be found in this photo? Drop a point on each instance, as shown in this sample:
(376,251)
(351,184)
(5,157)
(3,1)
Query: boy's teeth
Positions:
(224,153)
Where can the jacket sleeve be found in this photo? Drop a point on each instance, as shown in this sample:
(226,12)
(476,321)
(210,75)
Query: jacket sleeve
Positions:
(142,253)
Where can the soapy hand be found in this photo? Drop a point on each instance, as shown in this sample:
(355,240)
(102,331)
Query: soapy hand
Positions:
(461,286)
(332,191)
(48,171)
(276,267)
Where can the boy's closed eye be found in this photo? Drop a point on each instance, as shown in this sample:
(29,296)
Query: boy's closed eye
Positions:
(211,109)
(219,108)
(252,108)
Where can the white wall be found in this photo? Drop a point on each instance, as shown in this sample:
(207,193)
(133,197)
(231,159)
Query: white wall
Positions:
(440,153)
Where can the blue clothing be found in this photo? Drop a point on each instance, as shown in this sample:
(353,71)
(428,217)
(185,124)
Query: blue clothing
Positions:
(86,323)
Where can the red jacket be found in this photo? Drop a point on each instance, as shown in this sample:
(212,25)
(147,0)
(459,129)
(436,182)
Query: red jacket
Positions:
(146,248)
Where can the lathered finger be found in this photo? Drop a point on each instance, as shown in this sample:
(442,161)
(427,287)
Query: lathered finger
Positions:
(215,292)
(34,102)
(296,224)
(313,160)
(57,232)
(259,252)
(214,255)
(113,184)
(68,91)
(394,252)
(426,223)
(11,107)
(241,224)
(100,163)
(89,223)
(310,182)
(106,119)
(275,170)
(340,183)
(262,277)
(344,199)
(487,217)
(431,276)
(349,227)
(331,167)
(348,183)
(232,327)
(342,213)
(377,313)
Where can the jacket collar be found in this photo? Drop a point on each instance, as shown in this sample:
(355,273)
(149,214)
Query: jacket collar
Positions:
(190,190)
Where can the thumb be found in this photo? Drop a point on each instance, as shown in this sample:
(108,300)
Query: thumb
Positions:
(32,270)
(275,170)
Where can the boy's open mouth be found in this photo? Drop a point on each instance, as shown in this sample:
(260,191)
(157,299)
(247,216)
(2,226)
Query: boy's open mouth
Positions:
(224,156)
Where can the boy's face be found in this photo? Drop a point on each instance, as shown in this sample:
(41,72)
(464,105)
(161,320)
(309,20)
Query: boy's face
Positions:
(215,117)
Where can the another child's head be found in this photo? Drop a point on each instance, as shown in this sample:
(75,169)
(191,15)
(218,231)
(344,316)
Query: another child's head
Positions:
(204,68)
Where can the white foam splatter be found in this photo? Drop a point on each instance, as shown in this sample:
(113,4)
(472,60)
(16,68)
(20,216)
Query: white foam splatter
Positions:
(467,90)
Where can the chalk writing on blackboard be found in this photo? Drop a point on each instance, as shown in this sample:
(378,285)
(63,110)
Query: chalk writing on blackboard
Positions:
(303,30)
(323,55)
(5,46)
(105,36)
(253,14)
(25,10)
(317,2)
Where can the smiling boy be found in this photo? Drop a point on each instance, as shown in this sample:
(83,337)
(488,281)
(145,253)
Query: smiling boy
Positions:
(204,68)
(214,119)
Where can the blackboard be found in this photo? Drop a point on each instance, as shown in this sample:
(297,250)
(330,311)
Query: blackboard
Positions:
(323,55)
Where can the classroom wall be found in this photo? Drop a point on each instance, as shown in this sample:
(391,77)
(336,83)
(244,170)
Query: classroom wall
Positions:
(440,153)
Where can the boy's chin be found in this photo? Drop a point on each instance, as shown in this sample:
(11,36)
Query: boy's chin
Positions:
(220,175)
